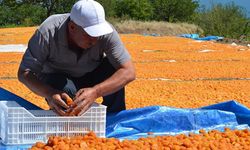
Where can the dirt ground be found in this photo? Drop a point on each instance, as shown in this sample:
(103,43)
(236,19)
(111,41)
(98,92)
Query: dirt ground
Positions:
(171,71)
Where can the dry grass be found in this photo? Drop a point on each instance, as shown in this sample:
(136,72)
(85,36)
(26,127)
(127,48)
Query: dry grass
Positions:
(153,27)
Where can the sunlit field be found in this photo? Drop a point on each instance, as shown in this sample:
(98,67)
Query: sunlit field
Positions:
(171,71)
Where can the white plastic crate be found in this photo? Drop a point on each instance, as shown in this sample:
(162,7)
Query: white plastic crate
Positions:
(21,126)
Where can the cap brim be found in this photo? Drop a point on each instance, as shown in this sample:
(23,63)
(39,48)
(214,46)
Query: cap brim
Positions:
(99,29)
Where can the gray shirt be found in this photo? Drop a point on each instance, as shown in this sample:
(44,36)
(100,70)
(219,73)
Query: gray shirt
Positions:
(48,50)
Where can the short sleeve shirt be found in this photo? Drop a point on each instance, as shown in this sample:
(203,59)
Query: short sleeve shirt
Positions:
(48,50)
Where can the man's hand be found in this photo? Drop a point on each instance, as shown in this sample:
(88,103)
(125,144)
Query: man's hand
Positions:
(83,100)
(57,102)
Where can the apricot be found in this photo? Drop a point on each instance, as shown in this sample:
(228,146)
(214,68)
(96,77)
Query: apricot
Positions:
(40,145)
(229,139)
(67,99)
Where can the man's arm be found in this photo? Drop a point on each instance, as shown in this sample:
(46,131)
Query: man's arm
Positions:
(30,80)
(86,96)
(53,96)
(32,61)
(119,79)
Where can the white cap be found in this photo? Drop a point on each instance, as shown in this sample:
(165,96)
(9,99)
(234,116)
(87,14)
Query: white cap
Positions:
(90,15)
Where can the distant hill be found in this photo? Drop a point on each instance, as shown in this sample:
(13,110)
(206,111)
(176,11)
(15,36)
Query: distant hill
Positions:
(243,3)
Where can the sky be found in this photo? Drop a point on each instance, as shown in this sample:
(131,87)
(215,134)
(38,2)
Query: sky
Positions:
(243,3)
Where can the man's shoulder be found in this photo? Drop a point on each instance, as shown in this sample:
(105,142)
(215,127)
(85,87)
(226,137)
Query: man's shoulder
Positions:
(53,23)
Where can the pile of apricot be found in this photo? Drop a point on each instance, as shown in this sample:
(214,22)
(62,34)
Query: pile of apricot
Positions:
(227,140)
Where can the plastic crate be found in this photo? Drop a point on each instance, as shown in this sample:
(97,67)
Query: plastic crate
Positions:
(21,126)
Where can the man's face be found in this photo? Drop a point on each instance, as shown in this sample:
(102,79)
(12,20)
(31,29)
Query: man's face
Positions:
(79,37)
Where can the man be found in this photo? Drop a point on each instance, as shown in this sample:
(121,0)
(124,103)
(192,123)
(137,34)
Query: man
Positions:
(78,55)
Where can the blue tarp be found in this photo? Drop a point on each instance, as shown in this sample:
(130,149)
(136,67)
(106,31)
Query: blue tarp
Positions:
(162,120)
(197,37)
(8,96)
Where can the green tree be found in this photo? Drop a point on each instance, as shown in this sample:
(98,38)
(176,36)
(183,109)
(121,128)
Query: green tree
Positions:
(7,12)
(53,6)
(134,9)
(5,15)
(31,12)
(174,10)
(109,7)
(225,20)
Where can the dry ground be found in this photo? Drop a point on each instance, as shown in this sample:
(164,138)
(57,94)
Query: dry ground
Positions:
(171,71)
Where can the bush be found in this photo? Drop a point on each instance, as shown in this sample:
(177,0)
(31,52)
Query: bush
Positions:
(5,15)
(224,20)
(134,9)
(29,14)
(109,7)
(52,6)
(174,10)
(24,14)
